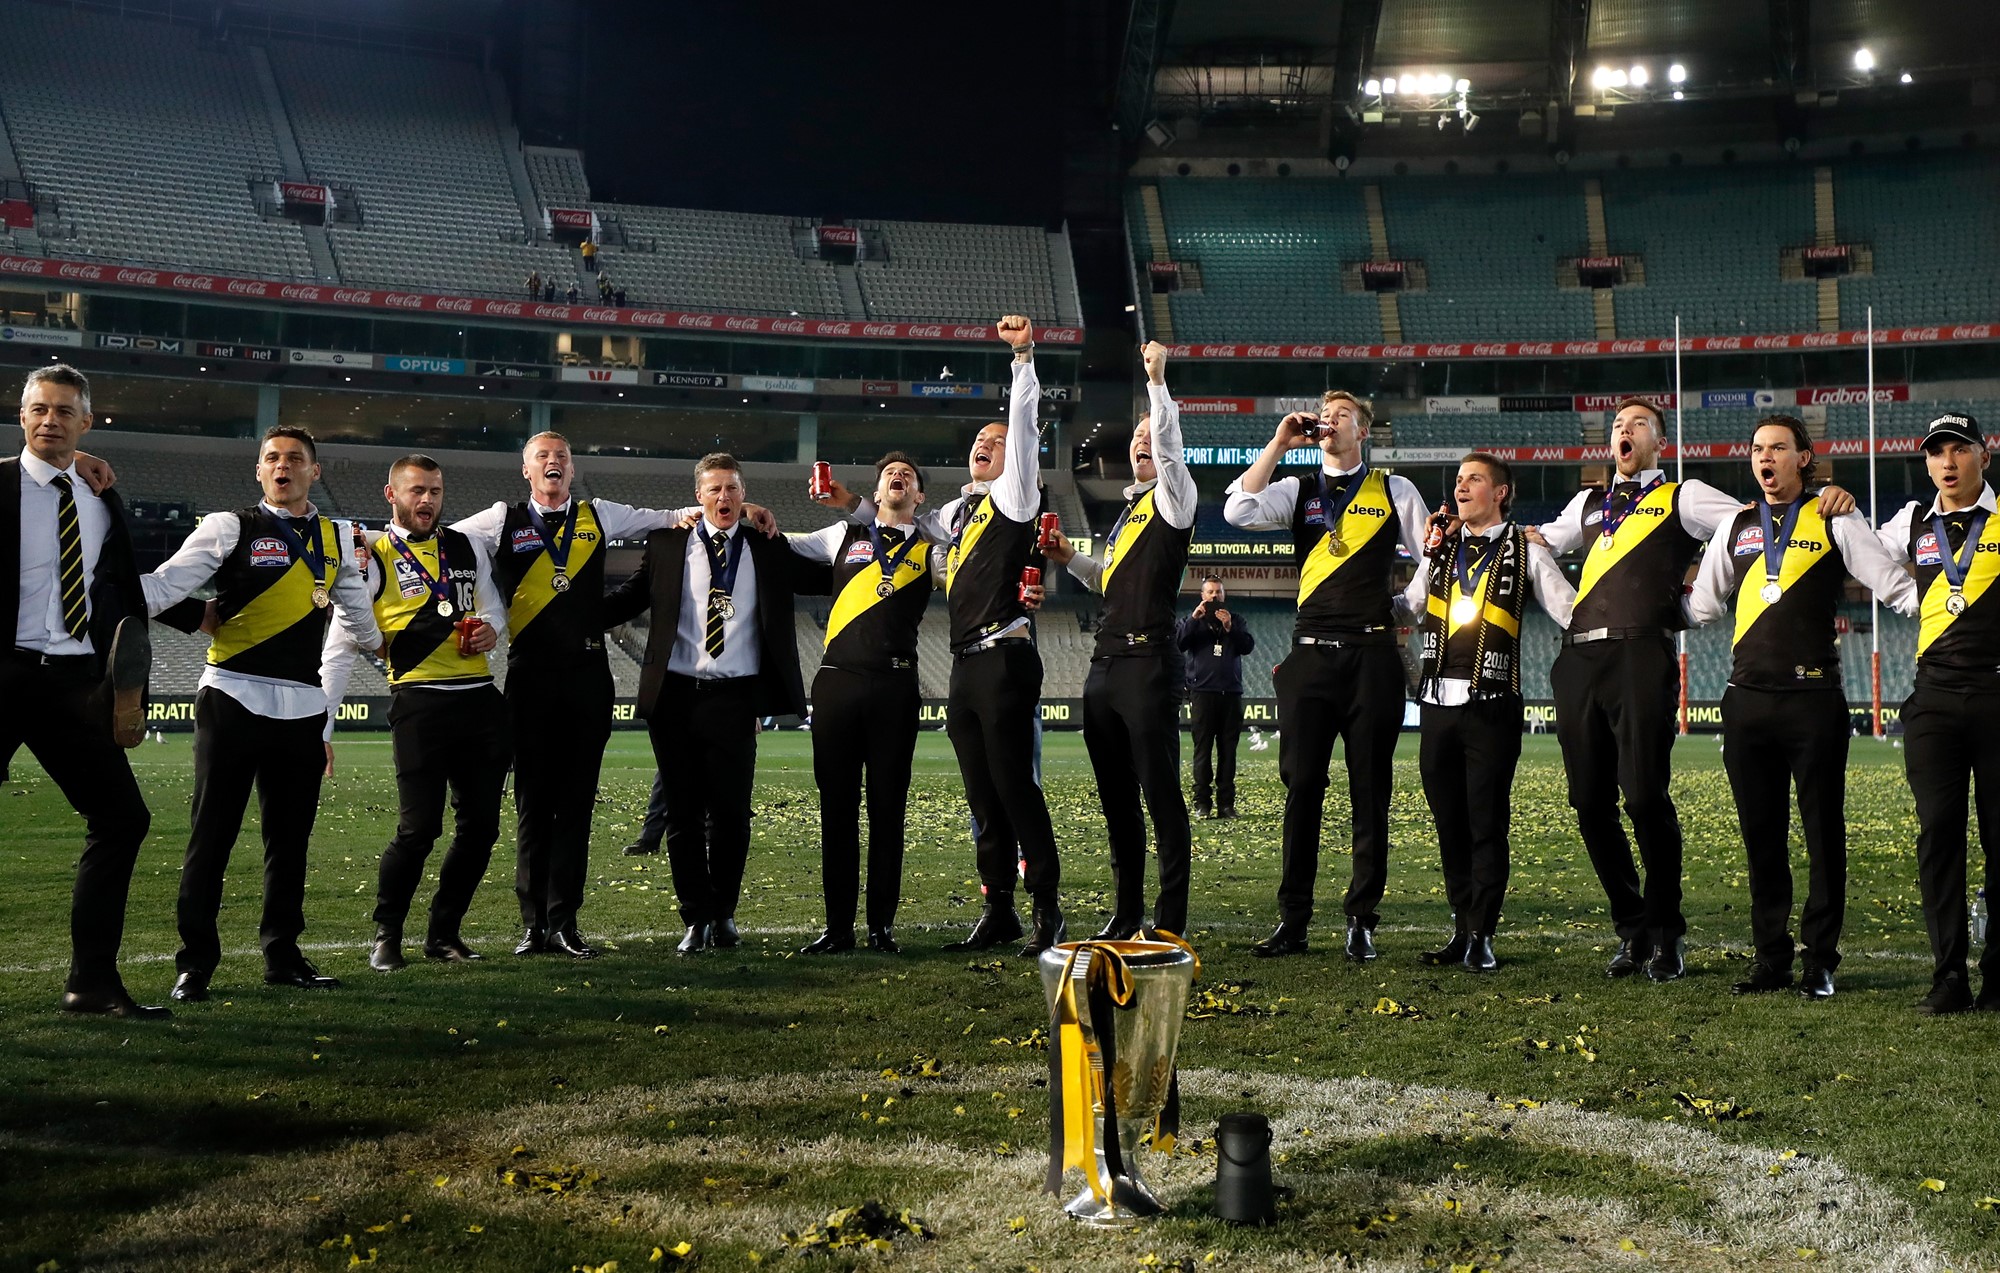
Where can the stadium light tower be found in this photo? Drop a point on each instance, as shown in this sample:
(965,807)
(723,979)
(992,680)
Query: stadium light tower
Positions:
(1677,74)
(1864,59)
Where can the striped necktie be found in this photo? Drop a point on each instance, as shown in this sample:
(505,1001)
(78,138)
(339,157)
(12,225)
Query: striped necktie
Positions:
(69,559)
(717,556)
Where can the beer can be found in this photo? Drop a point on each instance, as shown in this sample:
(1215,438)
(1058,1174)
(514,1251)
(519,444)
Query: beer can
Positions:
(1051,526)
(1031,577)
(468,627)
(821,485)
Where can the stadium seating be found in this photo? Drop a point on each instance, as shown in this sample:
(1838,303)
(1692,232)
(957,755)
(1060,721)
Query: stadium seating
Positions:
(1489,428)
(557,177)
(1489,248)
(1932,221)
(716,260)
(970,273)
(147,138)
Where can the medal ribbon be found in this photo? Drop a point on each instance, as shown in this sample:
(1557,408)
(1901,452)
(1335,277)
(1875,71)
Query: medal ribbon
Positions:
(558,552)
(721,569)
(440,588)
(1610,524)
(1956,565)
(1775,541)
(310,551)
(1330,514)
(889,562)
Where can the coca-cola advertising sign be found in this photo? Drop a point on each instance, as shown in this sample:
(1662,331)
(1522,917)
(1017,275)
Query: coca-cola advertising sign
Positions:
(1838,252)
(305,193)
(840,236)
(1383,269)
(570,218)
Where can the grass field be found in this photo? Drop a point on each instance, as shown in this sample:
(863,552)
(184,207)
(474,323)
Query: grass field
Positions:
(531,1114)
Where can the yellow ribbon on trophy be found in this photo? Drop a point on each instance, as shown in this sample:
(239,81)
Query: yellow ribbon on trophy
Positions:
(1077,1068)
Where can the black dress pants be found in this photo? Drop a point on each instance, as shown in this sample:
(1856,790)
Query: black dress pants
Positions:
(1771,740)
(1355,695)
(561,718)
(995,697)
(1615,703)
(1217,721)
(445,740)
(1467,758)
(864,731)
(704,736)
(1949,744)
(54,711)
(1132,730)
(234,750)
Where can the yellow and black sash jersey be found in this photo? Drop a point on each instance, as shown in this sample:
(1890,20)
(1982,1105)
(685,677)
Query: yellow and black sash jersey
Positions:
(866,631)
(1144,561)
(1345,569)
(1956,650)
(1475,635)
(423,644)
(547,624)
(982,582)
(269,626)
(1787,644)
(1633,578)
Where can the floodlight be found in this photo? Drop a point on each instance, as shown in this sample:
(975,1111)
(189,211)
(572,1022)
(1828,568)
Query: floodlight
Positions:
(1389,86)
(1677,74)
(1678,95)
(1864,59)
(1463,86)
(1639,76)
(1601,78)
(1373,88)
(1906,77)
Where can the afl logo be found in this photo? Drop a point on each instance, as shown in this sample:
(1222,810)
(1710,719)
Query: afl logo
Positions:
(860,553)
(270,552)
(1927,550)
(1750,542)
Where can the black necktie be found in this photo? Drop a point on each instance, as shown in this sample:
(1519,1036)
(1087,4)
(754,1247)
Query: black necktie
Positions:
(718,546)
(69,559)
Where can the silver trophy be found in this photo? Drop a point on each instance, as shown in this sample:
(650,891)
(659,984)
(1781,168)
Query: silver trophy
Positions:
(1116,1010)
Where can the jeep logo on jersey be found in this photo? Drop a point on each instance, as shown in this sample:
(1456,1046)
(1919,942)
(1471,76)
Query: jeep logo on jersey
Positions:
(1363,510)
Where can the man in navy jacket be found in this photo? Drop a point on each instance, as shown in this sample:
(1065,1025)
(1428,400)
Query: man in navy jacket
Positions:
(1215,642)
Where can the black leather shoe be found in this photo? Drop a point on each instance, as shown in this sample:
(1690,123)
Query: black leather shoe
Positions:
(1817,982)
(1988,1000)
(1479,953)
(387,955)
(533,942)
(1669,961)
(641,849)
(1946,997)
(113,1002)
(1227,812)
(1764,977)
(1360,941)
(127,668)
(190,987)
(451,950)
(1628,958)
(722,934)
(1049,929)
(1285,940)
(884,940)
(567,941)
(300,974)
(997,924)
(1118,930)
(1452,952)
(1203,812)
(693,941)
(829,943)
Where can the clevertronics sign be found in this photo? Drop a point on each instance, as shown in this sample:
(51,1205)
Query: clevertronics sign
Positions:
(424,366)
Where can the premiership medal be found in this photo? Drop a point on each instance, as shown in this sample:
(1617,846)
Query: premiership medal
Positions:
(724,606)
(322,598)
(1955,603)
(1958,565)
(1777,537)
(885,589)
(1463,611)
(1335,547)
(559,581)
(1771,592)
(444,609)
(1334,507)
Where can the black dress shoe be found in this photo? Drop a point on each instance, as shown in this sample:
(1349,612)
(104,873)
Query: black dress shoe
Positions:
(1765,977)
(829,943)
(722,934)
(1631,954)
(113,1002)
(387,955)
(127,669)
(641,849)
(533,942)
(884,940)
(1479,955)
(1452,952)
(1669,960)
(997,924)
(1228,812)
(1285,940)
(300,974)
(567,941)
(694,940)
(1118,930)
(1816,982)
(190,987)
(1049,929)
(1203,812)
(451,950)
(1360,941)
(1988,1000)
(1947,996)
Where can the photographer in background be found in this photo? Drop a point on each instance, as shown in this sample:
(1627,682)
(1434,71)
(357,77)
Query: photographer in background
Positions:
(1215,643)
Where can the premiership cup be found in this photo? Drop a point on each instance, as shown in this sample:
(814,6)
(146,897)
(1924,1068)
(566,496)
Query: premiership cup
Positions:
(1101,1117)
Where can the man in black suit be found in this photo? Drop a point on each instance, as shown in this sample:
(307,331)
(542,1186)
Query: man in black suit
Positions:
(719,655)
(74,678)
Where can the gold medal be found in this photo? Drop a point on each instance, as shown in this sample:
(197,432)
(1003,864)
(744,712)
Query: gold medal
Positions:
(1771,592)
(1955,603)
(885,589)
(1334,546)
(559,581)
(444,608)
(322,598)
(1463,611)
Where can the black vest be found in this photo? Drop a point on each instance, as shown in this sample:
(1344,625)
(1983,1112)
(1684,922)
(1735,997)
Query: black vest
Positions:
(1144,562)
(423,644)
(1345,596)
(867,632)
(983,583)
(1787,644)
(545,626)
(1636,581)
(1962,651)
(269,626)
(1486,649)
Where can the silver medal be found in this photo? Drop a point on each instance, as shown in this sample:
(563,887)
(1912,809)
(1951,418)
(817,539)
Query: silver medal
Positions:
(559,581)
(444,608)
(725,607)
(322,598)
(1771,593)
(1955,603)
(885,589)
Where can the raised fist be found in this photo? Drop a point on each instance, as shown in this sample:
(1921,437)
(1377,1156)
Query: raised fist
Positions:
(1154,354)
(1016,331)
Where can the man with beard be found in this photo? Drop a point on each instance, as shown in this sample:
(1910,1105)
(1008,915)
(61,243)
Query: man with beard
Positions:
(447,722)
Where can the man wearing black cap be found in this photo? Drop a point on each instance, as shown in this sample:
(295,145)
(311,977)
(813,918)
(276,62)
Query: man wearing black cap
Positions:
(1215,641)
(1948,736)
(1784,715)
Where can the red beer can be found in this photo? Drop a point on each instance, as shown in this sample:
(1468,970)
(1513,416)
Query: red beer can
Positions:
(1051,526)
(821,485)
(1031,577)
(468,627)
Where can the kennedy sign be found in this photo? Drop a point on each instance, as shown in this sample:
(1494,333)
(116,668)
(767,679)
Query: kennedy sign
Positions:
(690,380)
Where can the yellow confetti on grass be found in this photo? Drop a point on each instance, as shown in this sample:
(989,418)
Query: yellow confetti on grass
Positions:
(1933,1184)
(1387,1007)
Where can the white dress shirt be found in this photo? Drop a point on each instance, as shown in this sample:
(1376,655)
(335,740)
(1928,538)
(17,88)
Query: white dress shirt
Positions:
(336,664)
(1702,509)
(39,625)
(196,563)
(1272,509)
(614,520)
(1864,556)
(1546,582)
(690,655)
(825,545)
(1175,498)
